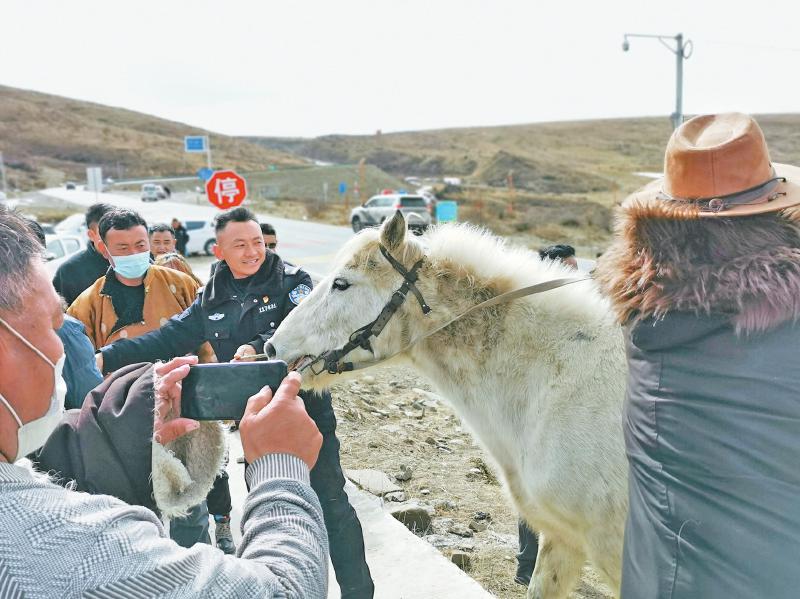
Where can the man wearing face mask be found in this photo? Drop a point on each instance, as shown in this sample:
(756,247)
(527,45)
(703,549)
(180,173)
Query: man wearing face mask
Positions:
(134,297)
(59,542)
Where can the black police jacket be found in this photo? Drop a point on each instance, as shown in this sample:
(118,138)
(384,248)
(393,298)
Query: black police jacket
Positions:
(220,316)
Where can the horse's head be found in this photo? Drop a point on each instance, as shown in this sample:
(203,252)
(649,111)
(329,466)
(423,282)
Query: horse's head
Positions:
(352,296)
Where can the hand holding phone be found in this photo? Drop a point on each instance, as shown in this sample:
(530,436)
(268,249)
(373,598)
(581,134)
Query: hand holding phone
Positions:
(280,424)
(221,391)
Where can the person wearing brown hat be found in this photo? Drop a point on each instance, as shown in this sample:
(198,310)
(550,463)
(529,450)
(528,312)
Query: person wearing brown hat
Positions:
(704,274)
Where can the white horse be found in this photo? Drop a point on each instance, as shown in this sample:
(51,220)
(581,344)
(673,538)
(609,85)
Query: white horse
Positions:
(540,381)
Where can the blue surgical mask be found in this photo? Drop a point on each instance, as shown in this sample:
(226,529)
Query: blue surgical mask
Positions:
(133,266)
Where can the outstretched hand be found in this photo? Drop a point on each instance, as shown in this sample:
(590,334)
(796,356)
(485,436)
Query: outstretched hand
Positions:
(243,351)
(279,424)
(168,424)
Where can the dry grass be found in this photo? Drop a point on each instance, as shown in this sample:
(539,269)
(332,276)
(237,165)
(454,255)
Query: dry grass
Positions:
(46,139)
(587,157)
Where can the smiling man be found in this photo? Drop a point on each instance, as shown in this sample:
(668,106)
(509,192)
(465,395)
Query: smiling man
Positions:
(248,295)
(134,297)
(162,239)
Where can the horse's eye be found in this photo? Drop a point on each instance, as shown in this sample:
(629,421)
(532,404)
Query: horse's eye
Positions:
(341,284)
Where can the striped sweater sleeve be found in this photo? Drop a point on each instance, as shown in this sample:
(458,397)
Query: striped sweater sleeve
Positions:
(284,550)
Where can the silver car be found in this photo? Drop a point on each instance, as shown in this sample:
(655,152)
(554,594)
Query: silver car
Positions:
(378,208)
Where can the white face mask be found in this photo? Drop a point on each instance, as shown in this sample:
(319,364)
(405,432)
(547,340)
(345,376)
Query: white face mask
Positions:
(33,435)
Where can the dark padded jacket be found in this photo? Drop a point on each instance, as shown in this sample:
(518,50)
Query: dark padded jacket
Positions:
(220,317)
(712,427)
(79,273)
(106,446)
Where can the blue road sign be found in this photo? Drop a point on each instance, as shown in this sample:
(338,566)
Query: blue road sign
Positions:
(195,143)
(446,211)
(342,188)
(205,173)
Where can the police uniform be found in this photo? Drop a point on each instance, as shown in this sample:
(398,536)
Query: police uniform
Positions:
(229,316)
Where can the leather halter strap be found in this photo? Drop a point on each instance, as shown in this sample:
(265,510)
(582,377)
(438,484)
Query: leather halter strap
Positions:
(360,338)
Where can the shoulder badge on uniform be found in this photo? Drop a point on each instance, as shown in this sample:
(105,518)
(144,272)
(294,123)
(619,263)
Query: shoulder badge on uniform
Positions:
(217,316)
(299,293)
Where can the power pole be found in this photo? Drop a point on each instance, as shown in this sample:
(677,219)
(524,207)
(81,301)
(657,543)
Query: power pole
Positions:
(511,192)
(3,174)
(677,116)
(361,182)
(682,51)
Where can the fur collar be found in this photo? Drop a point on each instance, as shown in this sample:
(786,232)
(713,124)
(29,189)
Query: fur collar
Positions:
(664,257)
(184,470)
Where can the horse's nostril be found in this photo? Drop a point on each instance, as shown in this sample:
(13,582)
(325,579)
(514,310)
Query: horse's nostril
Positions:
(270,350)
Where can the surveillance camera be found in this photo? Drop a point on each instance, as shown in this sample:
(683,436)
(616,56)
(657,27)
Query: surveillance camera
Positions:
(625,46)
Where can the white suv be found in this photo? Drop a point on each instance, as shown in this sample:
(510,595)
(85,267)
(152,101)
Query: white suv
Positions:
(202,237)
(378,208)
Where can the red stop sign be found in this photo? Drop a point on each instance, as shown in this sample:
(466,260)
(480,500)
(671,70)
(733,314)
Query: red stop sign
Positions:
(226,189)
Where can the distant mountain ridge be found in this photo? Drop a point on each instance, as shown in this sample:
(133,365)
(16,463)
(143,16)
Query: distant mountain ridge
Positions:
(564,157)
(46,139)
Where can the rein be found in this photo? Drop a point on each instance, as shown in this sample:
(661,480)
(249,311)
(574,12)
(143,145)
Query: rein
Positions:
(332,359)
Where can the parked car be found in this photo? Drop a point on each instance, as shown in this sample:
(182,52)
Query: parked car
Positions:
(152,192)
(378,208)
(201,237)
(60,247)
(75,224)
(70,185)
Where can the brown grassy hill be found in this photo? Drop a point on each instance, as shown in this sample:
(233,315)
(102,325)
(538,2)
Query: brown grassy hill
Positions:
(46,139)
(567,157)
(566,176)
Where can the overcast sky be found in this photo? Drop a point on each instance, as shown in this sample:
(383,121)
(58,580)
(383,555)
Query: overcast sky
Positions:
(305,68)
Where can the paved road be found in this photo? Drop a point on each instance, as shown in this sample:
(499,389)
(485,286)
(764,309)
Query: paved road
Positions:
(307,244)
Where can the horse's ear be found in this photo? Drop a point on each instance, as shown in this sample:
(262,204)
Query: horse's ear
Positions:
(393,231)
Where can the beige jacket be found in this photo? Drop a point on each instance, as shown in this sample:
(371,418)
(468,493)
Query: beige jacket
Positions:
(167,293)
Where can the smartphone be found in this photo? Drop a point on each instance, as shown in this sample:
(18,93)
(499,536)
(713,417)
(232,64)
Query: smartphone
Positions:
(221,391)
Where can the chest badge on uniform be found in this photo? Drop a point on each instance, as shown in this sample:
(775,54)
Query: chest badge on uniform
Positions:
(266,299)
(299,293)
(217,316)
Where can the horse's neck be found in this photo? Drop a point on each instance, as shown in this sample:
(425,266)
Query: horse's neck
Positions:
(487,362)
(475,362)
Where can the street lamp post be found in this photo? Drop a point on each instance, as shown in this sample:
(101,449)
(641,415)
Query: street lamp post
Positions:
(682,51)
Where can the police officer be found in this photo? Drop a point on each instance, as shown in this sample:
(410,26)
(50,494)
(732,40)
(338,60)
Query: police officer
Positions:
(250,292)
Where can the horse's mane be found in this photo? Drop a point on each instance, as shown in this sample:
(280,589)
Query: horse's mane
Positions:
(467,250)
(488,256)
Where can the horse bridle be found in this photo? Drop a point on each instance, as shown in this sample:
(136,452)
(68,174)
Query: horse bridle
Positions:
(331,359)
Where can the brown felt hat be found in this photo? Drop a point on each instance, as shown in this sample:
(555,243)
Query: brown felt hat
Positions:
(719,166)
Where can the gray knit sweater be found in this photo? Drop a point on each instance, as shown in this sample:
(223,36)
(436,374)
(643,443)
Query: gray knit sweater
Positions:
(60,543)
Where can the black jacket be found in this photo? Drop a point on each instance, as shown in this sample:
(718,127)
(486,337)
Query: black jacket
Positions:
(712,422)
(181,239)
(220,317)
(79,273)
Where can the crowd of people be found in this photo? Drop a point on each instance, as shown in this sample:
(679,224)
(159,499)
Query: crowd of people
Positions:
(703,275)
(131,298)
